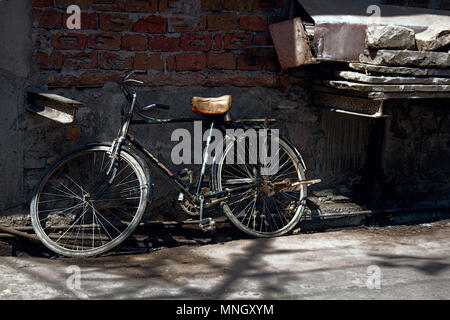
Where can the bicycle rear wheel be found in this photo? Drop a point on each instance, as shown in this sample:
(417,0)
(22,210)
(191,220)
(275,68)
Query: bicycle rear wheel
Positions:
(261,209)
(70,221)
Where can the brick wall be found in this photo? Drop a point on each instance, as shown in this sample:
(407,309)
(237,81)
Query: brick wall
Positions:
(181,42)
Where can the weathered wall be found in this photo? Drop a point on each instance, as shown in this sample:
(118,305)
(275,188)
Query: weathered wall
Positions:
(15,53)
(193,48)
(178,41)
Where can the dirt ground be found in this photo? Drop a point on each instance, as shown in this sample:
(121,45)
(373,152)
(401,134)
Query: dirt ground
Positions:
(394,262)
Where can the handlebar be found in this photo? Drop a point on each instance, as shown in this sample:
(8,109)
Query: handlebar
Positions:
(129,95)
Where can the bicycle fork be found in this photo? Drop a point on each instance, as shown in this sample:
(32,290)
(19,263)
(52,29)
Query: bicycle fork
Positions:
(207,224)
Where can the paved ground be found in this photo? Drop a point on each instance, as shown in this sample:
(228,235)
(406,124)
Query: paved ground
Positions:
(384,263)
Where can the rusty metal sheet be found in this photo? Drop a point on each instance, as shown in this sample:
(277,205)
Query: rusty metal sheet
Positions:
(291,43)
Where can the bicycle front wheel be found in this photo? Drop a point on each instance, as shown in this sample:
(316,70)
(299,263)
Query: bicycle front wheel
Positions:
(265,205)
(70,221)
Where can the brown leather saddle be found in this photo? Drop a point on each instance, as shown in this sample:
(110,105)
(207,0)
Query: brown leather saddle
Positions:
(219,106)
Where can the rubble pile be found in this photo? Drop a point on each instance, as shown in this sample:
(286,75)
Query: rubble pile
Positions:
(400,63)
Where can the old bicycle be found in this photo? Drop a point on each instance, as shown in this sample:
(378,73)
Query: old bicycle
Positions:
(92,199)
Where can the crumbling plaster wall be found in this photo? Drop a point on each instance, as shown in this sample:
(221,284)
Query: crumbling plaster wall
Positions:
(334,145)
(15,64)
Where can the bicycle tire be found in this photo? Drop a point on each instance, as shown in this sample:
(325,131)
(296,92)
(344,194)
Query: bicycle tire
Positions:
(104,222)
(243,224)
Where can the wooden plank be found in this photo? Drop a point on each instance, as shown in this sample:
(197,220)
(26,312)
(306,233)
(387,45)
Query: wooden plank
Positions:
(361,77)
(348,85)
(417,72)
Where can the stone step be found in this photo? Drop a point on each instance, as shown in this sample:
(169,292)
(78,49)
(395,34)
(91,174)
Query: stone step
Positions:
(406,58)
(417,72)
(361,77)
(348,85)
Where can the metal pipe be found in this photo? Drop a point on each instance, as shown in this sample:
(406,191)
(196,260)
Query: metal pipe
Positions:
(19,233)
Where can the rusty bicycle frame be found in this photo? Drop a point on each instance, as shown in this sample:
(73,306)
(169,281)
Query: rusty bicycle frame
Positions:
(124,137)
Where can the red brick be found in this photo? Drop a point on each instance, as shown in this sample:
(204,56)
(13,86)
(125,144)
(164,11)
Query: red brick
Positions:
(211,5)
(82,60)
(257,65)
(151,24)
(174,79)
(175,6)
(222,21)
(115,22)
(268,5)
(41,3)
(273,64)
(141,5)
(262,39)
(68,41)
(73,134)
(163,43)
(236,41)
(144,61)
(190,61)
(195,42)
(64,4)
(238,5)
(48,62)
(104,41)
(221,61)
(276,19)
(252,79)
(108,5)
(40,38)
(54,136)
(134,42)
(218,42)
(88,20)
(253,23)
(187,24)
(49,19)
(114,61)
(170,63)
(88,79)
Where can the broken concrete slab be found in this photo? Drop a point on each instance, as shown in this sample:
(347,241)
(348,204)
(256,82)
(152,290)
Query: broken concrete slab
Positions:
(348,85)
(406,58)
(408,95)
(361,77)
(435,37)
(389,37)
(418,72)
(53,106)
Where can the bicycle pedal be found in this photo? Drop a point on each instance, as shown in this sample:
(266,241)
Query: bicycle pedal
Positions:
(207,225)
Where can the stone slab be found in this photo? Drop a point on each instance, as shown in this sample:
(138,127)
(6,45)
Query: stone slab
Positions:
(418,72)
(389,37)
(361,77)
(348,85)
(435,37)
(407,58)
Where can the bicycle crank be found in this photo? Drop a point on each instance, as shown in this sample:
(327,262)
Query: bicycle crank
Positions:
(207,224)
